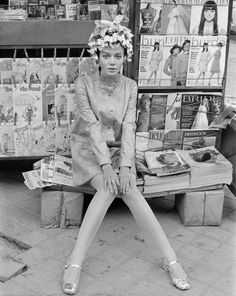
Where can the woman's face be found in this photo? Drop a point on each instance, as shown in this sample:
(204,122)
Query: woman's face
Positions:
(176,51)
(111,60)
(209,14)
(186,47)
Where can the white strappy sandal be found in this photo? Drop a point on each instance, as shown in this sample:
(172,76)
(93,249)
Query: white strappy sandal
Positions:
(70,286)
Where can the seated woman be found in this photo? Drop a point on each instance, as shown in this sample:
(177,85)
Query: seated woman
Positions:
(104,132)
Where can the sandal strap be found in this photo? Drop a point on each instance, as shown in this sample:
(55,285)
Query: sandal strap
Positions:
(72,265)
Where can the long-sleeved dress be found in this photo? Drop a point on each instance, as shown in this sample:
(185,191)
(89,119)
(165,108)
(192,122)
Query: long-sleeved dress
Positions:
(104,128)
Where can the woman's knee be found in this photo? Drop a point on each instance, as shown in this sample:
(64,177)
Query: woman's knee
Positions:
(132,194)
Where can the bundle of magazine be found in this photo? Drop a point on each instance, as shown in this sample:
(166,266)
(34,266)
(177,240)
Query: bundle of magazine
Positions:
(165,163)
(208,167)
(56,169)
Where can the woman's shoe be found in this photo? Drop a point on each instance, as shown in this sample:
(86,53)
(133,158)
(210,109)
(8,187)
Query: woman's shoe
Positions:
(71,279)
(177,274)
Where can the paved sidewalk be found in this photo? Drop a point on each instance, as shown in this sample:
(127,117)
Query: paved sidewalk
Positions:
(121,260)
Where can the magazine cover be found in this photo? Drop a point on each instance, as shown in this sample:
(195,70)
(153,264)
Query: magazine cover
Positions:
(61,101)
(175,18)
(71,12)
(17,3)
(48,100)
(210,17)
(6,104)
(50,137)
(109,12)
(36,145)
(21,139)
(19,69)
(87,66)
(156,140)
(7,140)
(164,163)
(27,104)
(150,17)
(194,139)
(72,69)
(173,110)
(123,9)
(163,60)
(47,75)
(94,9)
(62,138)
(59,70)
(151,111)
(207,61)
(6,71)
(199,110)
(33,71)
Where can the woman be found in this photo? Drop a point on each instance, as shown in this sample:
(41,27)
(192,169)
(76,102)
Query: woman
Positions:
(104,132)
(209,20)
(201,120)
(181,68)
(154,63)
(176,25)
(215,66)
(204,60)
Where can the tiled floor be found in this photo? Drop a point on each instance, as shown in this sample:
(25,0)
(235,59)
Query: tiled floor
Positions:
(121,260)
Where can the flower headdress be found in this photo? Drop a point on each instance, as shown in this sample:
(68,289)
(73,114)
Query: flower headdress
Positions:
(108,33)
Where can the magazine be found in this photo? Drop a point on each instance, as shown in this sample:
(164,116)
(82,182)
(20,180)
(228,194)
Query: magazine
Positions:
(182,139)
(173,110)
(72,69)
(175,18)
(71,11)
(6,104)
(207,61)
(218,22)
(50,137)
(162,62)
(165,163)
(27,103)
(47,75)
(230,85)
(59,70)
(61,101)
(36,146)
(150,17)
(62,138)
(71,104)
(94,9)
(109,11)
(199,110)
(6,71)
(19,69)
(123,9)
(7,147)
(21,138)
(33,71)
(33,180)
(57,169)
(151,111)
(87,66)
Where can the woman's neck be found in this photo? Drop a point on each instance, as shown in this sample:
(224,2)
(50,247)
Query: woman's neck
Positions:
(109,79)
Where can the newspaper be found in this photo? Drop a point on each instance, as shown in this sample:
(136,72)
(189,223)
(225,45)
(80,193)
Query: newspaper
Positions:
(49,171)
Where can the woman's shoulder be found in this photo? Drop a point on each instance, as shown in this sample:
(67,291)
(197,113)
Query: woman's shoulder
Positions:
(129,81)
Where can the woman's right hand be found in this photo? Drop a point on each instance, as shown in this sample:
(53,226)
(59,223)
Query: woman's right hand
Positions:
(111,179)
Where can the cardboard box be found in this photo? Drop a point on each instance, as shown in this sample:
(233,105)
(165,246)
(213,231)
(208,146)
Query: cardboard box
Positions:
(200,208)
(60,208)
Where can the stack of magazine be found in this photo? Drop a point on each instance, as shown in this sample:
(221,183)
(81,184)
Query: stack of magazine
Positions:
(50,171)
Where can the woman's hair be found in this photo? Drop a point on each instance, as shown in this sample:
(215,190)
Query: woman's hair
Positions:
(204,48)
(156,43)
(174,47)
(210,4)
(108,33)
(185,42)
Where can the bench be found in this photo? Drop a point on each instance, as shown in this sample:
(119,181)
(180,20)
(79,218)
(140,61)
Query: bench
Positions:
(62,206)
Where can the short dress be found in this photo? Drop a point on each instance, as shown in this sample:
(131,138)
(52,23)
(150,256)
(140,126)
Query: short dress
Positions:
(155,60)
(104,128)
(215,66)
(204,60)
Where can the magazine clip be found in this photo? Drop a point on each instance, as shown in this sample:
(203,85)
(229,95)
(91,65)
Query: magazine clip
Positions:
(68,54)
(55,54)
(14,55)
(26,54)
(82,53)
(42,58)
(15,118)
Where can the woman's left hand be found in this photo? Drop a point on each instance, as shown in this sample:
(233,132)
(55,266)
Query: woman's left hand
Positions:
(126,180)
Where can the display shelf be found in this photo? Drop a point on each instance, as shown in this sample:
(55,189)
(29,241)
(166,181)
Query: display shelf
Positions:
(43,33)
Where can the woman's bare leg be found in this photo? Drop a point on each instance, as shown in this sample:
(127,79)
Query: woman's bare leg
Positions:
(148,222)
(92,220)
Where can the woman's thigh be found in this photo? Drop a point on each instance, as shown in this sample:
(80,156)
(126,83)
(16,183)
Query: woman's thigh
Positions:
(97,182)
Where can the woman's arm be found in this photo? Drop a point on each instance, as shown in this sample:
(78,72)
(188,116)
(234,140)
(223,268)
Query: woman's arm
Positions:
(90,124)
(128,130)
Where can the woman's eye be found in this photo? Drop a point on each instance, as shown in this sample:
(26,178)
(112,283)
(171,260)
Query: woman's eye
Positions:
(119,57)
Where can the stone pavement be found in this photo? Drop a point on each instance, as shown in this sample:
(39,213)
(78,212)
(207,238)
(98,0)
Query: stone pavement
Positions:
(121,260)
